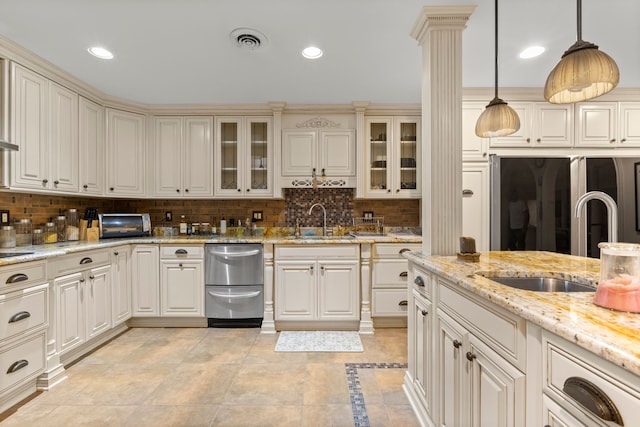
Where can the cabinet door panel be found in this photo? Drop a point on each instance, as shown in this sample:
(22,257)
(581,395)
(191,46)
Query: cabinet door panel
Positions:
(452,391)
(553,125)
(125,153)
(168,156)
(145,265)
(70,317)
(475,203)
(63,142)
(98,300)
(337,153)
(597,124)
(630,124)
(91,147)
(423,349)
(473,147)
(121,295)
(198,156)
(295,291)
(299,152)
(338,290)
(182,288)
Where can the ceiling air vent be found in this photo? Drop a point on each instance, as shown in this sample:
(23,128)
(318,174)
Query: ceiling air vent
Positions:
(248,38)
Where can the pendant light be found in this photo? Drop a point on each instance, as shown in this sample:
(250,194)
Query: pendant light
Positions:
(498,119)
(584,72)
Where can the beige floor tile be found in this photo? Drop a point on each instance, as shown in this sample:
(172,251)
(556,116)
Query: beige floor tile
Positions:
(369,387)
(390,384)
(163,351)
(232,349)
(172,416)
(268,383)
(401,415)
(325,383)
(258,415)
(378,417)
(263,351)
(327,416)
(76,416)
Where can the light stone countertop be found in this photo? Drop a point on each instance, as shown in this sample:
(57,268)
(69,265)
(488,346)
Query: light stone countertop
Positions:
(610,334)
(46,251)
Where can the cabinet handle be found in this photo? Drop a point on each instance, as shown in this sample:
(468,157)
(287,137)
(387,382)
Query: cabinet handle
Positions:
(110,188)
(397,190)
(239,190)
(424,312)
(528,140)
(419,281)
(186,190)
(86,260)
(470,356)
(248,189)
(538,140)
(311,268)
(44,181)
(403,250)
(85,186)
(404,274)
(17,365)
(82,280)
(389,191)
(623,140)
(116,253)
(19,277)
(91,277)
(403,303)
(181,252)
(592,398)
(467,192)
(180,265)
(613,140)
(56,182)
(322,267)
(177,190)
(457,343)
(21,315)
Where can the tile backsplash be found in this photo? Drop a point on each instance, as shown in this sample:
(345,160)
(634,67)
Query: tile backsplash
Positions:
(340,203)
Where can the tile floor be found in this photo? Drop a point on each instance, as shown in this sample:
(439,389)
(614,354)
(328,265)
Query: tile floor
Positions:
(225,377)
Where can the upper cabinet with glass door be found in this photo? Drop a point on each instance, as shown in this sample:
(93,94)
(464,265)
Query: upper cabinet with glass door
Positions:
(392,157)
(243,157)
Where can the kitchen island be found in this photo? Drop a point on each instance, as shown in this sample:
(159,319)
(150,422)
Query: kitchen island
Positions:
(482,352)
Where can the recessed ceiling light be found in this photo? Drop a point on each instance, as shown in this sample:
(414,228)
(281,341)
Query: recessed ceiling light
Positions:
(532,52)
(312,52)
(100,52)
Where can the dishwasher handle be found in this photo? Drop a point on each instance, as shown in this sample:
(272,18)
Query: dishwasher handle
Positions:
(235,296)
(236,254)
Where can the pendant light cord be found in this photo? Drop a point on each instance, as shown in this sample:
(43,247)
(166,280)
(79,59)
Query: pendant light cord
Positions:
(579,8)
(496,49)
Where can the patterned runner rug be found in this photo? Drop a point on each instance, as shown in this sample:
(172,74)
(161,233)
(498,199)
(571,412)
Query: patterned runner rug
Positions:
(330,341)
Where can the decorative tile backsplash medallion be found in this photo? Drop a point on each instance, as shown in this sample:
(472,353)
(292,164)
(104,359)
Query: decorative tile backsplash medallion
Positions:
(338,203)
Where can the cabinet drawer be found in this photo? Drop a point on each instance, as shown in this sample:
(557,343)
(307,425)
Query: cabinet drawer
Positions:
(27,273)
(181,252)
(21,361)
(420,280)
(337,251)
(77,262)
(504,332)
(389,302)
(23,311)
(390,274)
(563,360)
(394,250)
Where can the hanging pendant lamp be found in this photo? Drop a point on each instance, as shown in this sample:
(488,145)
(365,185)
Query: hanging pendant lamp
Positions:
(584,72)
(498,119)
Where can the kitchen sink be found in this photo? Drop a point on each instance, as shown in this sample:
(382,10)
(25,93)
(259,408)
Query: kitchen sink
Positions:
(542,284)
(12,254)
(345,237)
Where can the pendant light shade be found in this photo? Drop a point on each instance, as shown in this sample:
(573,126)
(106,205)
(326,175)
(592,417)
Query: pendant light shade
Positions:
(498,119)
(584,72)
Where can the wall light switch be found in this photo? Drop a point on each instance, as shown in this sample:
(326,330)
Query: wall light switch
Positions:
(168,216)
(256,216)
(4,217)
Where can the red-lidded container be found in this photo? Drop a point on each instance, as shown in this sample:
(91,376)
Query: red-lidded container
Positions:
(619,285)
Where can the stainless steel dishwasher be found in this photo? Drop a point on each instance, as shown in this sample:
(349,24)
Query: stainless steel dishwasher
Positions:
(234,285)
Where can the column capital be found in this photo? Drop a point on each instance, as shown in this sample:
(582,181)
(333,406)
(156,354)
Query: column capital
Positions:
(441,17)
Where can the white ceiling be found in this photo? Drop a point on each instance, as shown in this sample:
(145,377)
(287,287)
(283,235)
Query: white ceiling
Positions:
(179,51)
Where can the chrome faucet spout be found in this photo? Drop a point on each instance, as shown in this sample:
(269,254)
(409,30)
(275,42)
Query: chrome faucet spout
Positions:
(612,210)
(324,217)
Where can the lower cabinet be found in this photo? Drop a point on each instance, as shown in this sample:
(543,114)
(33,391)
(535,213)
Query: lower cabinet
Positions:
(422,349)
(145,261)
(121,288)
(317,282)
(389,279)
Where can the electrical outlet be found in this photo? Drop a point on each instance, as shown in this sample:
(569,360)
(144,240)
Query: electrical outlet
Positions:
(4,217)
(256,216)
(168,216)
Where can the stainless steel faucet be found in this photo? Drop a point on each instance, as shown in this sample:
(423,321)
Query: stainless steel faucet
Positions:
(612,210)
(324,217)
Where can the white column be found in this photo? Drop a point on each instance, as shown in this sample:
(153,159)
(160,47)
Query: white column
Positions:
(438,29)
(268,323)
(366,323)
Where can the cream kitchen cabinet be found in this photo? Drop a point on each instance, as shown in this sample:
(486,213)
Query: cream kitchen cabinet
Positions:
(474,148)
(389,273)
(145,280)
(541,125)
(392,157)
(182,280)
(125,153)
(629,124)
(91,147)
(45,127)
(182,157)
(317,283)
(475,203)
(597,124)
(325,154)
(243,157)
(24,318)
(121,285)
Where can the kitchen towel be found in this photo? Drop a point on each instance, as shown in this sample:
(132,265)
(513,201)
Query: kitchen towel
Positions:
(321,341)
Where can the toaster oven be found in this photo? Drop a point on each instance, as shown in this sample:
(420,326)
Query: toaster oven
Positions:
(124,225)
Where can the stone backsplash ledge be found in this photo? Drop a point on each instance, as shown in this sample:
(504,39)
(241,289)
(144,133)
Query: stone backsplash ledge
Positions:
(340,203)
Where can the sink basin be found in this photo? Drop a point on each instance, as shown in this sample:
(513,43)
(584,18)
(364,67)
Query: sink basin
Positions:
(346,237)
(542,284)
(12,254)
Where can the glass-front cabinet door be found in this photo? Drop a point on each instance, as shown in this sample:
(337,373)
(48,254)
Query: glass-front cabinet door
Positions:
(243,156)
(378,156)
(407,159)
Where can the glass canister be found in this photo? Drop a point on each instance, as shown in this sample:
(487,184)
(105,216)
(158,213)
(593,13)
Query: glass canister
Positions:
(619,285)
(205,229)
(50,231)
(61,226)
(72,230)
(37,236)
(23,232)
(7,236)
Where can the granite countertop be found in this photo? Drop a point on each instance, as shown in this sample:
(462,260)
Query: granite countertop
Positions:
(610,334)
(38,252)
